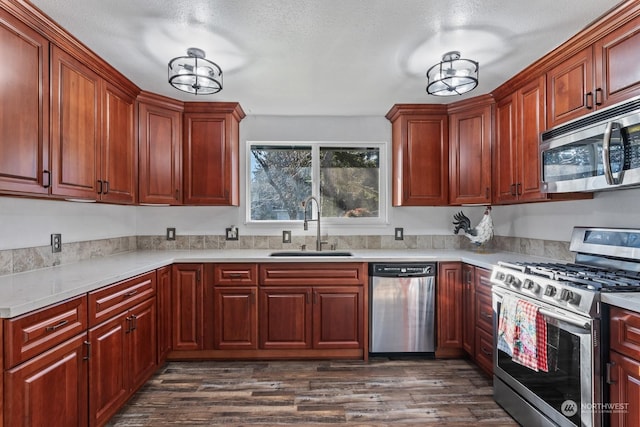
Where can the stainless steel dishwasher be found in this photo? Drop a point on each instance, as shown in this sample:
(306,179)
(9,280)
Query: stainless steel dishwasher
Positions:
(402,319)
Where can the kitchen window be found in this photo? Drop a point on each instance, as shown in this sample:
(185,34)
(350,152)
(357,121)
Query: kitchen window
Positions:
(346,177)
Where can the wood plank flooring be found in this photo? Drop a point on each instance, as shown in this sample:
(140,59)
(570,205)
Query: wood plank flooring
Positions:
(379,392)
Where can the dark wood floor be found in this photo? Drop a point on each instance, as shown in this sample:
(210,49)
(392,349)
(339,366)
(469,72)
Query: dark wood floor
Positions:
(378,392)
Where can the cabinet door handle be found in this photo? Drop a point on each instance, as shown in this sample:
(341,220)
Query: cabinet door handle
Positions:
(485,351)
(134,322)
(588,100)
(235,276)
(608,378)
(57,326)
(130,294)
(88,345)
(486,315)
(519,189)
(177,194)
(197,275)
(315,297)
(46,183)
(512,189)
(129,324)
(598,96)
(106,187)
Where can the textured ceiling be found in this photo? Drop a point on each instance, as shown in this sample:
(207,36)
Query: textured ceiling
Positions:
(322,57)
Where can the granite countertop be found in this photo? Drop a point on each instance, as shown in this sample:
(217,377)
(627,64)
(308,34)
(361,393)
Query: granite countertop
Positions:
(24,292)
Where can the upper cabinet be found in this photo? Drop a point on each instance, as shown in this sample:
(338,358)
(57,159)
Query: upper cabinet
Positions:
(601,74)
(24,103)
(92,128)
(520,117)
(470,151)
(420,135)
(160,150)
(210,153)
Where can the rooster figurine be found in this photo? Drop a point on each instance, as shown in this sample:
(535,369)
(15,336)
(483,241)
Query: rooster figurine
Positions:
(479,235)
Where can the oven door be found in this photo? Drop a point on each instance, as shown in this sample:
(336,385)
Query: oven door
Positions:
(568,392)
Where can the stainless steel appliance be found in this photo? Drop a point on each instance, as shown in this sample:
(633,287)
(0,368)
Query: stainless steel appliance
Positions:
(571,391)
(402,319)
(599,151)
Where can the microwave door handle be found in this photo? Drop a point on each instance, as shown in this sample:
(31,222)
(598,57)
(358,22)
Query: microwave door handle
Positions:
(606,155)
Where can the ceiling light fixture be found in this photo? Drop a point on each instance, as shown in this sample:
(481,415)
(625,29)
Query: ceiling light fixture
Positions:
(194,74)
(452,76)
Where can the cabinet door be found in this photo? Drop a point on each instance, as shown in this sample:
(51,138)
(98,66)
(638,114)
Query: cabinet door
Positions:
(505,153)
(24,103)
(531,121)
(118,177)
(108,369)
(449,314)
(468,309)
(625,390)
(186,300)
(143,343)
(163,304)
(50,389)
(338,317)
(285,317)
(569,88)
(470,156)
(160,151)
(236,325)
(75,127)
(210,160)
(616,67)
(420,157)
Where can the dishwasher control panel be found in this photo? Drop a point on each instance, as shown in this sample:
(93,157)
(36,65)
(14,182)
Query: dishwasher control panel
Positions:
(402,269)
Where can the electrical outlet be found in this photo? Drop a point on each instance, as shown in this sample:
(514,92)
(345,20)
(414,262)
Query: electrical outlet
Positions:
(56,243)
(171,233)
(231,233)
(399,233)
(286,236)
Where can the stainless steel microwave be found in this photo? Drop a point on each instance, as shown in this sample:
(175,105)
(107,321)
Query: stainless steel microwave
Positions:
(600,151)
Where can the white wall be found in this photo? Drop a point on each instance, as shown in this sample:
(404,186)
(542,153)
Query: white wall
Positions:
(26,223)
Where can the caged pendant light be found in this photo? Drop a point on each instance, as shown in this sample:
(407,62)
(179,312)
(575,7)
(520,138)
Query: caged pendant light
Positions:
(195,74)
(452,76)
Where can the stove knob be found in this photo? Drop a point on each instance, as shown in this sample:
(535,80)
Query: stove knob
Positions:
(500,276)
(511,280)
(531,286)
(549,291)
(570,297)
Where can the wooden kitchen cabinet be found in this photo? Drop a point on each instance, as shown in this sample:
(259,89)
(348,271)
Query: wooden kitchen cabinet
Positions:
(93,146)
(420,152)
(285,317)
(235,306)
(159,150)
(477,316)
(123,341)
(49,389)
(210,153)
(24,102)
(338,317)
(449,310)
(470,151)
(624,367)
(187,306)
(163,304)
(600,75)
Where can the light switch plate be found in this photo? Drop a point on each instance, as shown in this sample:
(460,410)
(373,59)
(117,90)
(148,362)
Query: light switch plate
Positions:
(286,236)
(399,233)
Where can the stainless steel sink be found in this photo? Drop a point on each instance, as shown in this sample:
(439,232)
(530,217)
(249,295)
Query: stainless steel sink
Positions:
(311,253)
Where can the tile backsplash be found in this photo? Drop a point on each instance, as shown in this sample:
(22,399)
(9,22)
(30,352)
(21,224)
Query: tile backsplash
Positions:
(25,259)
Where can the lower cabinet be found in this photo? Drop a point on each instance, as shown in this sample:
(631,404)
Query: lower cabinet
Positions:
(449,310)
(236,318)
(338,317)
(187,306)
(49,389)
(285,317)
(163,305)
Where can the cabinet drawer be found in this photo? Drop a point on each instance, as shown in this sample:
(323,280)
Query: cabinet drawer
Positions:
(307,274)
(114,299)
(484,350)
(484,312)
(483,285)
(625,332)
(33,333)
(235,274)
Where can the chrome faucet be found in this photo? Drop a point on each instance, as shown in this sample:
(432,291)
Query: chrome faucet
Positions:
(319,242)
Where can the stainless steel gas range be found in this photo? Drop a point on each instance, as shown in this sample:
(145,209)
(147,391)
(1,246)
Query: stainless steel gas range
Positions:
(551,331)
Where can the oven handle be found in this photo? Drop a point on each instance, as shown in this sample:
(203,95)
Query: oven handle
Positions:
(564,318)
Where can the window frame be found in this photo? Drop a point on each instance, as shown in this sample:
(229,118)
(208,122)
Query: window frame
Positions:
(382,146)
